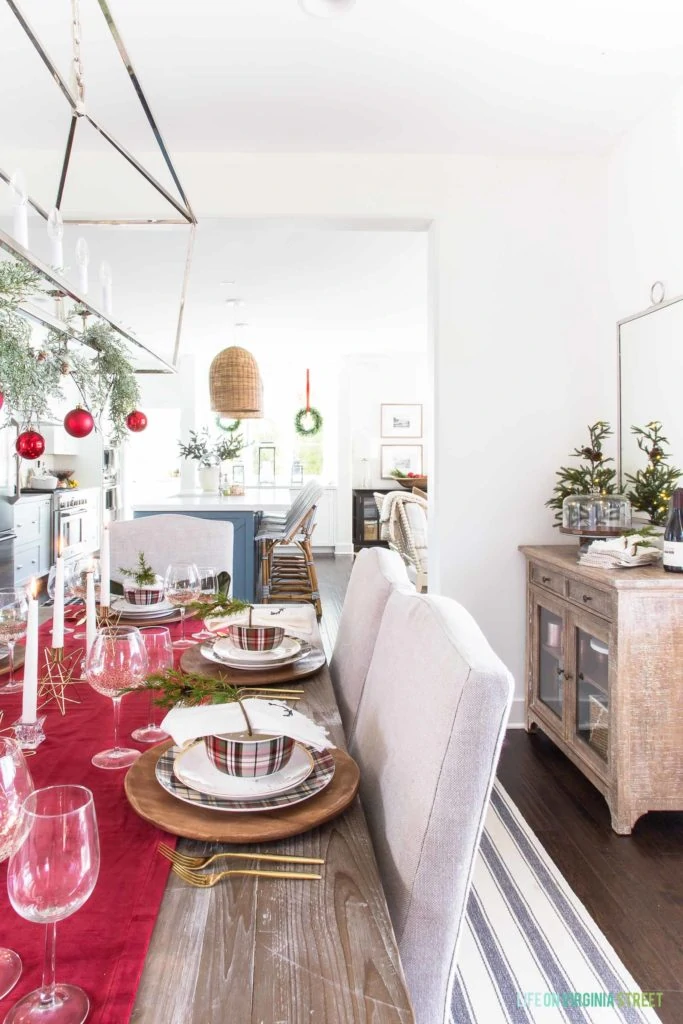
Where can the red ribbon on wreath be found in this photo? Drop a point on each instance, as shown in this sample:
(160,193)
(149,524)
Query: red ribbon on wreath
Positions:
(308,390)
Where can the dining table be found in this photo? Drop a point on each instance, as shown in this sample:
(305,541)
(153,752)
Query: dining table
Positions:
(151,949)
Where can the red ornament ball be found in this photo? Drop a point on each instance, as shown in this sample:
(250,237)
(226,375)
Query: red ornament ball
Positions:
(78,422)
(30,444)
(136,421)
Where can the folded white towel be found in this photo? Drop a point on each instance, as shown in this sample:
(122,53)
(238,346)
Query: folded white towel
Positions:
(296,619)
(621,553)
(186,724)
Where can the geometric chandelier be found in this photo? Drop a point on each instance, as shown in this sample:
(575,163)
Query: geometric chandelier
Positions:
(75,96)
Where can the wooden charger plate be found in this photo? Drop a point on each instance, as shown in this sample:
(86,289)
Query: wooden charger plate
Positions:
(154,804)
(192,660)
(18,660)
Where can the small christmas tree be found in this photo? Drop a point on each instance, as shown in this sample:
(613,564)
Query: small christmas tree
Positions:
(652,487)
(593,476)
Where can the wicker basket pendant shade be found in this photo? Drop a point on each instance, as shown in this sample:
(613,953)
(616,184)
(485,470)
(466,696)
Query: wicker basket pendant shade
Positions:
(235,384)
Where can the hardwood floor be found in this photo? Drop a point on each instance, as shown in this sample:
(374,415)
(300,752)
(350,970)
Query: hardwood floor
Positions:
(632,886)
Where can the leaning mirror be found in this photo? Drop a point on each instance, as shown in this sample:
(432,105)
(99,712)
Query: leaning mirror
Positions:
(650,371)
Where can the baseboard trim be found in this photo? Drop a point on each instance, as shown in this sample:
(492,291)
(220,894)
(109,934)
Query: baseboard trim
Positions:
(517,718)
(343,549)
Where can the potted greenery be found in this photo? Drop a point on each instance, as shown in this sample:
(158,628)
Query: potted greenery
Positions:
(227,449)
(147,587)
(201,449)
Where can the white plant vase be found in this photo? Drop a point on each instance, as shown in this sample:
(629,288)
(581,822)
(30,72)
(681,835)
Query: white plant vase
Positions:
(208,479)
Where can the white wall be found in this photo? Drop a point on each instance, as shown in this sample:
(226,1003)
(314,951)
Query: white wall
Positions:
(520,321)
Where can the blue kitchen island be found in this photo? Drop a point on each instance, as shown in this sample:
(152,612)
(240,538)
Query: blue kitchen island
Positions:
(242,511)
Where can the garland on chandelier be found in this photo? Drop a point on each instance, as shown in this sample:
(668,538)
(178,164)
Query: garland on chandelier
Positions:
(107,382)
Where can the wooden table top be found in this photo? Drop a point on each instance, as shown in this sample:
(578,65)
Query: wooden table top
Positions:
(264,951)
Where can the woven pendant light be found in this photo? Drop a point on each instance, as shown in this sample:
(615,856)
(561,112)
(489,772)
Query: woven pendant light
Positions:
(235,384)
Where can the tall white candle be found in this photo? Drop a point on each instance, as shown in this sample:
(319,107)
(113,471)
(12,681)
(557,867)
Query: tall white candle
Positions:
(58,610)
(105,572)
(19,193)
(55,231)
(20,224)
(83,259)
(29,705)
(90,611)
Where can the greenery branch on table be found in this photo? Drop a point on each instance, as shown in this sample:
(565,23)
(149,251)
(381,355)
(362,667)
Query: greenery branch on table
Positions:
(651,488)
(220,605)
(592,476)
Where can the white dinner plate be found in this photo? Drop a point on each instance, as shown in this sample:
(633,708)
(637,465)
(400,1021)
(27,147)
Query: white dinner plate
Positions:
(143,611)
(207,650)
(227,649)
(194,769)
(321,776)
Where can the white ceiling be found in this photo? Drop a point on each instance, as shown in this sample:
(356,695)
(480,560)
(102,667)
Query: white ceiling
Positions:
(389,76)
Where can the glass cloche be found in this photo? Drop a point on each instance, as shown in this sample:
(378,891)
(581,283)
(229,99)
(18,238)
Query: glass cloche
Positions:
(608,514)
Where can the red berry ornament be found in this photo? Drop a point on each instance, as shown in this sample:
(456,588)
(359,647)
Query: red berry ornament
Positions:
(136,421)
(78,422)
(30,444)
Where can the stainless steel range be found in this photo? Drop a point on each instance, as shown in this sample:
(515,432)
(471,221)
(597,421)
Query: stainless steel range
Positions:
(75,522)
(112,506)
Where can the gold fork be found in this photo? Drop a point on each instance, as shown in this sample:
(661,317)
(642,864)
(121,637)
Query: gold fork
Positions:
(208,881)
(183,860)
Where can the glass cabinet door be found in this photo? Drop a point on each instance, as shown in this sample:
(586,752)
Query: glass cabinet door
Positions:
(592,691)
(550,660)
(370,519)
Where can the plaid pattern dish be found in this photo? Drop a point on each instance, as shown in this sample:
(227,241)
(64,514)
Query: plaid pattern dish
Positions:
(143,595)
(248,757)
(256,638)
(320,777)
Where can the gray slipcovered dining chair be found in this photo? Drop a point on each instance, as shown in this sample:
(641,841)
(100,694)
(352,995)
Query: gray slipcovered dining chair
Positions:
(427,738)
(376,572)
(171,538)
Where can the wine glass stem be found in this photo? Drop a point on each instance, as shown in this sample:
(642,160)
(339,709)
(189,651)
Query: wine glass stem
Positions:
(182,622)
(116,701)
(150,716)
(47,989)
(10,648)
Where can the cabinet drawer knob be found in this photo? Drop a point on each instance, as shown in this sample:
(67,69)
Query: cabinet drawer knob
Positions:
(545,579)
(567,675)
(586,598)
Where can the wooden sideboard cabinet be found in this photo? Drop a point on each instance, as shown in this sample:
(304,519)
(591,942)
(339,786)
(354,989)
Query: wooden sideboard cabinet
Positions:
(605,676)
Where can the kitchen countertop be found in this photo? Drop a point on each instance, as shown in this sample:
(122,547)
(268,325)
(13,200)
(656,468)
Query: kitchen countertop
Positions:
(255,500)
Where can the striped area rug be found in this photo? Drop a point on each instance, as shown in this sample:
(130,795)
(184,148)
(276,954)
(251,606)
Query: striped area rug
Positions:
(527,937)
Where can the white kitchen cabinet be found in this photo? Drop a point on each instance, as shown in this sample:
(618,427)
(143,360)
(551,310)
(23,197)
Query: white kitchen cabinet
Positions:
(33,546)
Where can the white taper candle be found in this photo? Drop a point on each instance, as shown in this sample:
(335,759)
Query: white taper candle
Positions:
(58,609)
(105,572)
(90,611)
(29,703)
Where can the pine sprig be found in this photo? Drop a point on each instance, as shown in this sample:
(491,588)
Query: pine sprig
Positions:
(593,476)
(651,488)
(189,690)
(220,605)
(143,574)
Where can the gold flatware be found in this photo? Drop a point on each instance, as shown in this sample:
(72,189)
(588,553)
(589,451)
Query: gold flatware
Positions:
(183,860)
(200,881)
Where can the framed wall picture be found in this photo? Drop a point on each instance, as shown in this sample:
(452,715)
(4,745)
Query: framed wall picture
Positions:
(405,457)
(401,420)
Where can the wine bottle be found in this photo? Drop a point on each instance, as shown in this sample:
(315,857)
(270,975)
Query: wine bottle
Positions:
(673,534)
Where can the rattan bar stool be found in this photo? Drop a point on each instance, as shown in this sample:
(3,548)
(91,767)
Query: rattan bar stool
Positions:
(286,561)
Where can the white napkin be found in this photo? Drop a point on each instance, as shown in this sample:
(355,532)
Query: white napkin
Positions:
(297,619)
(185,724)
(621,552)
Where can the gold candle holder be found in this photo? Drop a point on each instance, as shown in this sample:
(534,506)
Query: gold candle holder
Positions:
(61,672)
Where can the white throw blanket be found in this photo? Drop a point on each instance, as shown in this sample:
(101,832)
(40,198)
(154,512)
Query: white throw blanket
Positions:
(188,724)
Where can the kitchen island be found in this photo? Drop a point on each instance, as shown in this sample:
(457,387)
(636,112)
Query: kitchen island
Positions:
(243,511)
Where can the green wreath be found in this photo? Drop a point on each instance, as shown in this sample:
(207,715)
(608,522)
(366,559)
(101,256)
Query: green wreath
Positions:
(299,422)
(229,426)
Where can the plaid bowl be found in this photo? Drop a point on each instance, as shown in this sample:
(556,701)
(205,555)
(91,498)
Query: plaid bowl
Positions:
(256,638)
(144,595)
(248,757)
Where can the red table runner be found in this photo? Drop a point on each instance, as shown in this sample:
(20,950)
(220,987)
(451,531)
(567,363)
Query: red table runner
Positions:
(102,947)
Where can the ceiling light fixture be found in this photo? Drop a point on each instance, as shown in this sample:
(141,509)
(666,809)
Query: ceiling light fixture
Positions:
(326,8)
